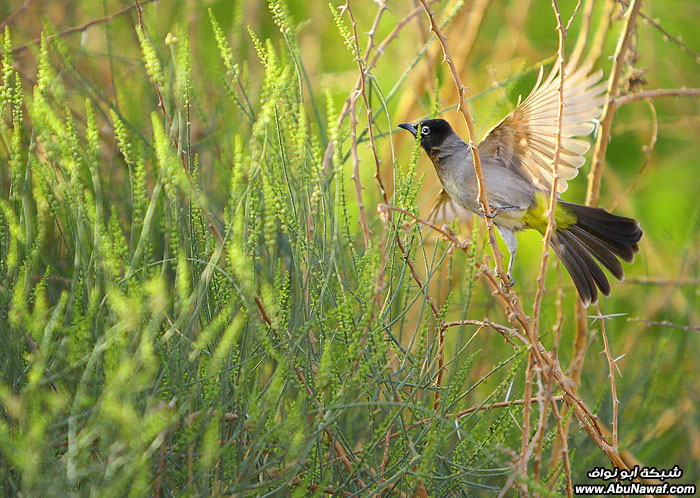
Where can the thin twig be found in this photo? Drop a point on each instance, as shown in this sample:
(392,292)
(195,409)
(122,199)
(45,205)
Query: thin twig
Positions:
(379,50)
(78,29)
(12,16)
(506,332)
(676,282)
(582,36)
(544,395)
(667,36)
(658,92)
(551,221)
(571,19)
(581,338)
(449,236)
(461,90)
(601,34)
(601,144)
(551,227)
(356,173)
(521,467)
(564,447)
(440,367)
(353,107)
(560,312)
(561,447)
(370,127)
(611,376)
(648,152)
(666,323)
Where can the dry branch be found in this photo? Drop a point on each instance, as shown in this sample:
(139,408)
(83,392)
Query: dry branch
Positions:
(551,224)
(75,29)
(611,376)
(601,144)
(506,332)
(462,90)
(658,92)
(363,92)
(356,170)
(648,150)
(378,51)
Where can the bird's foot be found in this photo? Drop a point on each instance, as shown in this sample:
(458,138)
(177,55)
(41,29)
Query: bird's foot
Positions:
(493,211)
(496,210)
(505,285)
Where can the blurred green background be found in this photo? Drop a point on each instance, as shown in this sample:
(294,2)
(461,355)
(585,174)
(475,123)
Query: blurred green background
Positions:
(309,237)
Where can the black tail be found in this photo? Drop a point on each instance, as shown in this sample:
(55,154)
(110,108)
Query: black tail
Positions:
(600,235)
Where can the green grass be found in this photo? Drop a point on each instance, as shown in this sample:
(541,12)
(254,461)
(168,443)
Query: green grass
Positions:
(187,307)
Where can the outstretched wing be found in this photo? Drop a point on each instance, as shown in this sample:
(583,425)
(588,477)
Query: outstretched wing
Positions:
(530,131)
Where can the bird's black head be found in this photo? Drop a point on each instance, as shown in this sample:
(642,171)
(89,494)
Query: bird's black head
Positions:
(433,132)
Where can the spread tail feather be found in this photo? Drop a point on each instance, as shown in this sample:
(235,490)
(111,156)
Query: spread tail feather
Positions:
(596,235)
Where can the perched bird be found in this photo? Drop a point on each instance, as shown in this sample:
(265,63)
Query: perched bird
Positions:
(516,159)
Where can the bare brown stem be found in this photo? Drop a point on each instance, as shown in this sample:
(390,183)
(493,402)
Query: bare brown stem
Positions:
(378,51)
(648,151)
(611,376)
(582,36)
(363,91)
(658,92)
(74,29)
(461,91)
(601,144)
(667,36)
(449,236)
(506,332)
(14,15)
(551,222)
(666,323)
(551,227)
(564,447)
(356,174)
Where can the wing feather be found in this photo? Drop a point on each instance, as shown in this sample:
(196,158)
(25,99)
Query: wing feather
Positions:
(530,131)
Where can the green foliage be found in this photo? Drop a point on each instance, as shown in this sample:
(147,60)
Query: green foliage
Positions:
(187,306)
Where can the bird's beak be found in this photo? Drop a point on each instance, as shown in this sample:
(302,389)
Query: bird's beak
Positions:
(410,127)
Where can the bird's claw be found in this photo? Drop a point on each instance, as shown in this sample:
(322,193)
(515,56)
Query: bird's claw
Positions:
(510,282)
(493,212)
(496,210)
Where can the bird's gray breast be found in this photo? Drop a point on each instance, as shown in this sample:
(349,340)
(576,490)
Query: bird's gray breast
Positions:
(455,168)
(505,184)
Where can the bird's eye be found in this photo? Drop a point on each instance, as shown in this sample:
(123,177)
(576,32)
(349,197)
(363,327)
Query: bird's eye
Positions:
(425,131)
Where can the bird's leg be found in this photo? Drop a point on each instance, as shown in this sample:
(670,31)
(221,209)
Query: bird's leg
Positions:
(496,210)
(508,237)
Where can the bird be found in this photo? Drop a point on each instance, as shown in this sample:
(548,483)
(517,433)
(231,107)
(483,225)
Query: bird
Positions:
(516,159)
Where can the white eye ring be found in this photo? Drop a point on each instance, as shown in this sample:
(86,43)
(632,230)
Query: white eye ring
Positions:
(425,130)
